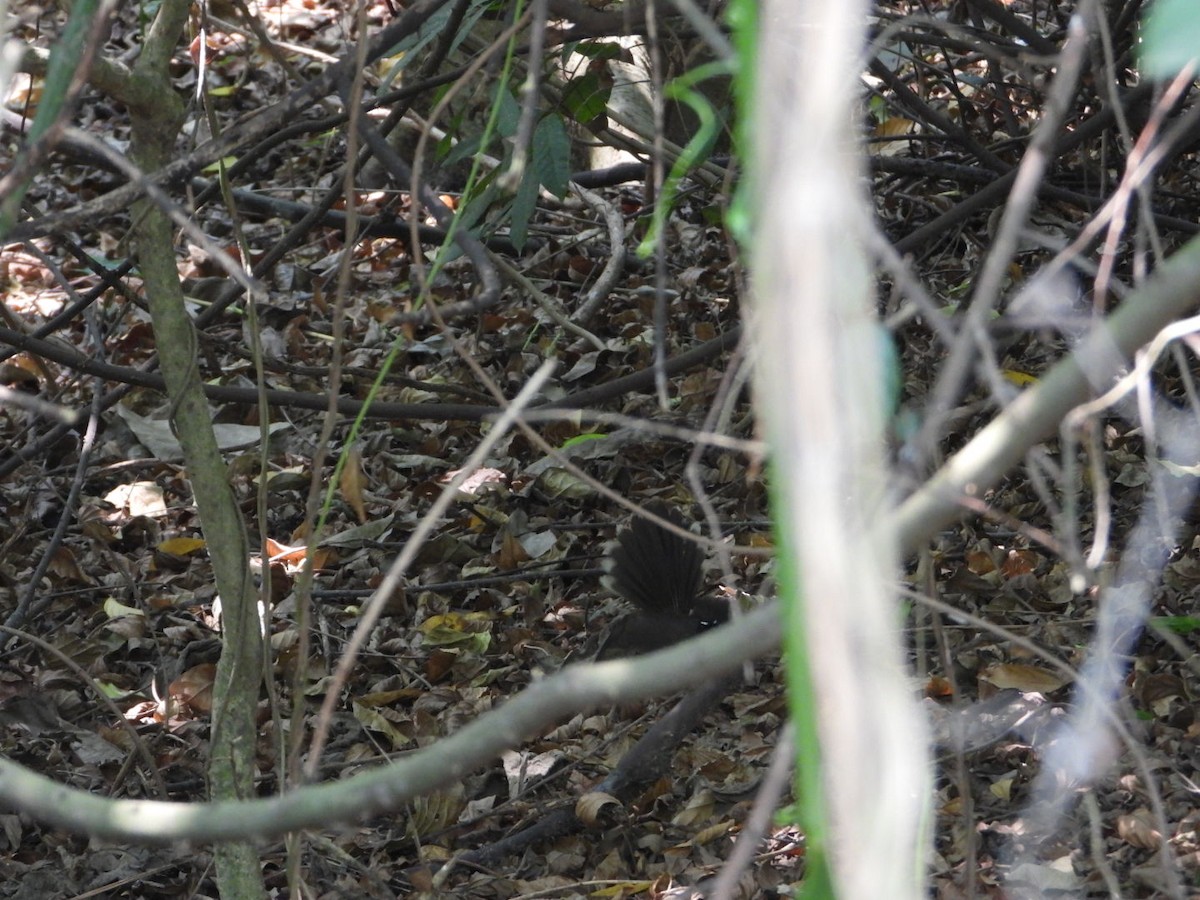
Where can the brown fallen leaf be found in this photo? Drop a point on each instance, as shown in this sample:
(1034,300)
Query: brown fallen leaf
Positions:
(1022,677)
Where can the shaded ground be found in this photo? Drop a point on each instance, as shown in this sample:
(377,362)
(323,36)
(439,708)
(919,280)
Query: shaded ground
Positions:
(509,587)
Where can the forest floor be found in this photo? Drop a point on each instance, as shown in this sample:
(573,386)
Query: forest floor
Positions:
(509,587)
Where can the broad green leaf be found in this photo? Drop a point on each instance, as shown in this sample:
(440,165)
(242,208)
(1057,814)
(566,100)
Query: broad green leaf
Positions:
(585,97)
(522,209)
(552,155)
(1170,38)
(598,49)
(508,113)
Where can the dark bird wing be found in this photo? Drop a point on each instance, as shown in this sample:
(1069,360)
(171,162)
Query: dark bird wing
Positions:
(654,569)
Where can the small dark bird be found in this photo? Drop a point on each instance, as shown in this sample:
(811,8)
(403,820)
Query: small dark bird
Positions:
(660,573)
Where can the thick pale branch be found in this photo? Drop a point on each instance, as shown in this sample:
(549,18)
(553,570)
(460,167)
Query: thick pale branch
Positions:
(387,789)
(1037,413)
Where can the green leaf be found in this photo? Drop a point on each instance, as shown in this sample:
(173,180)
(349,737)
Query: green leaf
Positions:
(1170,38)
(523,205)
(581,438)
(893,378)
(693,152)
(407,50)
(549,167)
(213,167)
(551,162)
(1176,624)
(599,49)
(66,56)
(464,149)
(484,197)
(585,97)
(508,112)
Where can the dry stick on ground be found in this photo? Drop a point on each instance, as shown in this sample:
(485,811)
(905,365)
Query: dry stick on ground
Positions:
(547,304)
(774,785)
(36,405)
(1034,416)
(985,293)
(994,193)
(109,280)
(976,725)
(600,393)
(139,748)
(347,406)
(918,109)
(615,267)
(970,175)
(67,515)
(392,580)
(118,201)
(646,761)
(398,169)
(387,789)
(472,248)
(382,225)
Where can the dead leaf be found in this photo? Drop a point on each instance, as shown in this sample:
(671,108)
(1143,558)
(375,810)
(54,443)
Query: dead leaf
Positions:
(384,721)
(141,498)
(181,546)
(1057,876)
(65,566)
(1024,678)
(699,809)
(1001,788)
(193,689)
(714,831)
(435,812)
(938,687)
(1139,829)
(522,768)
(477,482)
(351,483)
(1019,562)
(1159,692)
(979,562)
(884,136)
(590,805)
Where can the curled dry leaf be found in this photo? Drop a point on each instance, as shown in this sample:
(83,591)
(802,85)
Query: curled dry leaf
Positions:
(589,806)
(193,689)
(352,483)
(1139,829)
